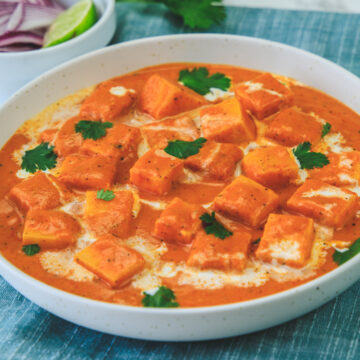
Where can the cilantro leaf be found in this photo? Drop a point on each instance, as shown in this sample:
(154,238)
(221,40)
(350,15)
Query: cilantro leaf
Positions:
(341,257)
(257,241)
(106,195)
(198,79)
(163,297)
(40,158)
(31,250)
(325,129)
(212,226)
(92,129)
(309,159)
(183,149)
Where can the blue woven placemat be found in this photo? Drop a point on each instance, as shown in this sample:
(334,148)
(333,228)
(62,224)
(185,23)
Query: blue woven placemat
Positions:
(331,332)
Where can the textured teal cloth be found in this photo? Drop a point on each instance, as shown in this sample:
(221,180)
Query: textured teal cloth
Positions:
(331,332)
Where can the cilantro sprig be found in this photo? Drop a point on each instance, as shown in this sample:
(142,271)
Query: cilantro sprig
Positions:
(92,129)
(198,79)
(31,250)
(106,195)
(163,298)
(183,149)
(212,226)
(309,159)
(341,257)
(41,157)
(325,129)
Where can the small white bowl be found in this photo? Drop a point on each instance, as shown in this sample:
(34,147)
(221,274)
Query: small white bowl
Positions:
(18,68)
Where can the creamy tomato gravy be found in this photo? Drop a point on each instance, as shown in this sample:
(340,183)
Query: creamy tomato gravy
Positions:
(166,262)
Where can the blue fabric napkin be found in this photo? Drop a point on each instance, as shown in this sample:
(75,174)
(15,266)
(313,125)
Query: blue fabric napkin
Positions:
(331,332)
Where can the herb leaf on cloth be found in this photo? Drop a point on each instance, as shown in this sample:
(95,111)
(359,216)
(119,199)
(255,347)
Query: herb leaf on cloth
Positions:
(106,195)
(92,129)
(341,257)
(31,250)
(41,157)
(163,298)
(212,226)
(183,149)
(309,159)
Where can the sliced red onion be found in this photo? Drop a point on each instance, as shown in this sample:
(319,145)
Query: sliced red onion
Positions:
(15,48)
(20,37)
(16,18)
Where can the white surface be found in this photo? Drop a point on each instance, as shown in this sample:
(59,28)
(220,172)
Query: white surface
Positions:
(181,324)
(18,68)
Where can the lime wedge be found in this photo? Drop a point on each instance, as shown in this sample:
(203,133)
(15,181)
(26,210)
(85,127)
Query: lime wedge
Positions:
(72,22)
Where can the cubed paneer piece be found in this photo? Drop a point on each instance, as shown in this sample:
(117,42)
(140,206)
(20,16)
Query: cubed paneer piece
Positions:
(85,172)
(247,201)
(264,95)
(160,97)
(112,262)
(287,240)
(179,222)
(229,254)
(36,192)
(48,136)
(68,141)
(215,160)
(227,122)
(107,102)
(156,172)
(324,203)
(271,166)
(120,141)
(343,169)
(50,229)
(158,134)
(292,127)
(109,217)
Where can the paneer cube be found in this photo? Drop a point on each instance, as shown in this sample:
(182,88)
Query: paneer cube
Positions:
(68,141)
(343,169)
(272,166)
(291,127)
(120,141)
(48,136)
(247,201)
(227,122)
(229,254)
(179,222)
(264,95)
(85,172)
(160,97)
(215,160)
(156,172)
(36,192)
(324,203)
(158,134)
(50,229)
(112,262)
(287,240)
(107,102)
(109,217)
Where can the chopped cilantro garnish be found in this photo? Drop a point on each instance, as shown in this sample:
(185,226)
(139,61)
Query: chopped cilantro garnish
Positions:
(92,129)
(40,158)
(163,297)
(341,257)
(31,250)
(106,195)
(325,129)
(255,242)
(309,159)
(199,80)
(183,149)
(212,226)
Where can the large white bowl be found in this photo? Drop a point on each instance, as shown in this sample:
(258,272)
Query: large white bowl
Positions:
(196,323)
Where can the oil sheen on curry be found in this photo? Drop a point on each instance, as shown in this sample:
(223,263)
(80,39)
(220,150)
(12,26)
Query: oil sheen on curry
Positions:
(183,185)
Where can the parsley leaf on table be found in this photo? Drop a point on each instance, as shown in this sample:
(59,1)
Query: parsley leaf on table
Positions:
(325,129)
(31,250)
(163,297)
(198,79)
(341,257)
(41,157)
(92,129)
(309,159)
(212,226)
(106,195)
(183,149)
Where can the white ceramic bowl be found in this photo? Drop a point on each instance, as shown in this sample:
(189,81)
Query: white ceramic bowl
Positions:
(196,323)
(18,68)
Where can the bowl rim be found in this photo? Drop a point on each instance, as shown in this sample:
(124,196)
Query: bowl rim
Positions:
(311,284)
(104,17)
